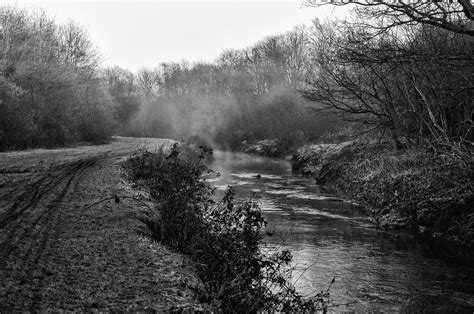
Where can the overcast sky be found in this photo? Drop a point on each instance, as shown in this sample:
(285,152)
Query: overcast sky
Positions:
(138,34)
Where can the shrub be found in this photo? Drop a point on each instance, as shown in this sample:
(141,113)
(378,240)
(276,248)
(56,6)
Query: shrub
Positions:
(222,238)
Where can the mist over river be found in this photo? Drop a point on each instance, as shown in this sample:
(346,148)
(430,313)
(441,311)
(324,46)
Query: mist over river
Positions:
(330,237)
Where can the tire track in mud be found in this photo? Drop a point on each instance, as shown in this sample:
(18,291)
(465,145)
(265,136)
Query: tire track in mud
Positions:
(31,194)
(58,253)
(29,227)
(38,190)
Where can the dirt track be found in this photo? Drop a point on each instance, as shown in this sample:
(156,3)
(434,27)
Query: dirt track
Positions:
(65,244)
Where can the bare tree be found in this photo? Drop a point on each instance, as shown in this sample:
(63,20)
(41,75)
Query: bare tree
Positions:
(455,16)
(76,48)
(414,84)
(148,80)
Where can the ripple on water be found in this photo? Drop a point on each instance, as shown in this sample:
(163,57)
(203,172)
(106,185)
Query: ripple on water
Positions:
(278,192)
(314,211)
(270,207)
(318,197)
(221,187)
(211,180)
(284,186)
(238,183)
(312,196)
(271,176)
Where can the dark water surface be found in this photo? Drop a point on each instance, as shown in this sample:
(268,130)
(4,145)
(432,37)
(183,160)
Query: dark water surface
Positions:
(329,236)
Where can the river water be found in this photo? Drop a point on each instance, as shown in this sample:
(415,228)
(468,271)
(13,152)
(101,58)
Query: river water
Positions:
(331,237)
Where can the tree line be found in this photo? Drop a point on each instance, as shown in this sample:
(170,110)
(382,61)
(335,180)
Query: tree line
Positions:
(245,95)
(50,90)
(404,73)
(389,71)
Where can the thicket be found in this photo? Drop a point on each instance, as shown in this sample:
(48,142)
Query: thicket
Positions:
(48,84)
(400,78)
(223,237)
(52,91)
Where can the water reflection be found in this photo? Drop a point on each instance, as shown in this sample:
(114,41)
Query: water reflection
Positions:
(331,237)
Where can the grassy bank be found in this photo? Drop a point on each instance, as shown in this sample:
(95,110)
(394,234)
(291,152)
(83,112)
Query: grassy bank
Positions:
(419,189)
(222,237)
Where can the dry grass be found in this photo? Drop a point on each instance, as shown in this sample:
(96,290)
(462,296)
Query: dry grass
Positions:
(419,188)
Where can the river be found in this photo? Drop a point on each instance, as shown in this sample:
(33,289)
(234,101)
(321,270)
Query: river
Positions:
(331,237)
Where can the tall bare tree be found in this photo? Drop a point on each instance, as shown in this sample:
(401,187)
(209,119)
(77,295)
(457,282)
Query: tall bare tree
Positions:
(456,16)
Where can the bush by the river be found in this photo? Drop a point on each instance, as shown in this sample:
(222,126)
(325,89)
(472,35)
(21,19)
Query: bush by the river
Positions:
(429,191)
(223,237)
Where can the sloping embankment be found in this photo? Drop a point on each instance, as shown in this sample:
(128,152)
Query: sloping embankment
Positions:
(416,189)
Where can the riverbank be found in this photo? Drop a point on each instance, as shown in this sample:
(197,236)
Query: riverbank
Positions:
(222,236)
(268,148)
(430,193)
(376,270)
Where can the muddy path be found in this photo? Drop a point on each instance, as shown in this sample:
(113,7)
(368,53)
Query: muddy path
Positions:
(67,243)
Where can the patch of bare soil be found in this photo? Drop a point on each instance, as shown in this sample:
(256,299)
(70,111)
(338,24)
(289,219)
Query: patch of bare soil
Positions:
(67,243)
